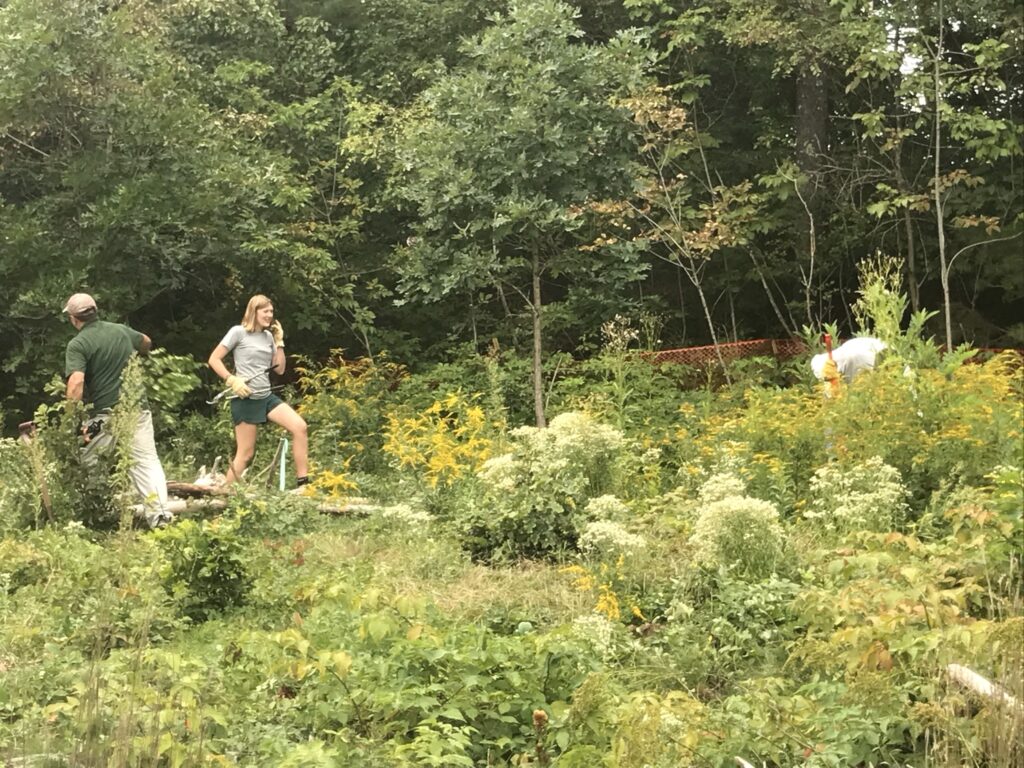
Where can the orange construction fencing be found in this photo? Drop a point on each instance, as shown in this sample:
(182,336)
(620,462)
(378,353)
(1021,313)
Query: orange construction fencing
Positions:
(782,349)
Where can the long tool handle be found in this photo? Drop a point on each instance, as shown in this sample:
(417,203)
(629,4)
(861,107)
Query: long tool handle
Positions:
(833,383)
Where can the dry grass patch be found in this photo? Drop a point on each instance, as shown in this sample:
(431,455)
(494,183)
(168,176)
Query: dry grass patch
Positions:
(437,570)
(333,548)
(530,589)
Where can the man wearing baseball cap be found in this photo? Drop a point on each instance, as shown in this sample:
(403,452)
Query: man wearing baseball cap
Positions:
(93,364)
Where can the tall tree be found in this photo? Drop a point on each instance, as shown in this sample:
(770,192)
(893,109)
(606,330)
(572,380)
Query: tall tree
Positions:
(115,178)
(500,157)
(941,115)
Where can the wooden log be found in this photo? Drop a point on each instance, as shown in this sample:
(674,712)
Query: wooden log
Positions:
(971,680)
(176,488)
(179,506)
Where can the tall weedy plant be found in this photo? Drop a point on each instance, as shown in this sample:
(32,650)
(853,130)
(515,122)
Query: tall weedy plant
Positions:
(122,424)
(618,334)
(881,303)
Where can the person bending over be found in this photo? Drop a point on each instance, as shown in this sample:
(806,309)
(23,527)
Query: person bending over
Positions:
(848,359)
(93,363)
(257,347)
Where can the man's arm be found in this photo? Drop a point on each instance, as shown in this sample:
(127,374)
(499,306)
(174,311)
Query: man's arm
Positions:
(145,345)
(76,386)
(75,364)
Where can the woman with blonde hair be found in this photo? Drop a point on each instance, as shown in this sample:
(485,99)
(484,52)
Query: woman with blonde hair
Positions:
(257,347)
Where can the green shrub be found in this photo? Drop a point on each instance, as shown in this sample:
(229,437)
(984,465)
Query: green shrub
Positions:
(344,402)
(68,591)
(929,426)
(199,438)
(205,569)
(501,378)
(21,563)
(532,500)
(277,516)
(20,504)
(169,379)
(78,492)
(96,494)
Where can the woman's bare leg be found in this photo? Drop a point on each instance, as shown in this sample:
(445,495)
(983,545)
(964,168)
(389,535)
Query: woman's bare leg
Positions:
(245,447)
(284,415)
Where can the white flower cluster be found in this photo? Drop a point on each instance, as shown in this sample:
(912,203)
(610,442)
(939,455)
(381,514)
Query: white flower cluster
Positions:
(500,472)
(604,537)
(572,445)
(721,485)
(404,515)
(739,532)
(869,496)
(607,507)
(596,631)
(573,431)
(651,457)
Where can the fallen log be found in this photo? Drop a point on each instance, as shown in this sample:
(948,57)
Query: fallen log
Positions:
(354,507)
(176,488)
(971,680)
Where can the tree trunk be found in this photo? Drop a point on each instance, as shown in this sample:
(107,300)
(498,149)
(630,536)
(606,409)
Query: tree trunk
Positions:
(728,294)
(811,121)
(937,187)
(912,286)
(812,249)
(911,266)
(811,142)
(695,279)
(538,373)
(771,297)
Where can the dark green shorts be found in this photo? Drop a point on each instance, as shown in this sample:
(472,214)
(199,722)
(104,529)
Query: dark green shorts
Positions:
(253,411)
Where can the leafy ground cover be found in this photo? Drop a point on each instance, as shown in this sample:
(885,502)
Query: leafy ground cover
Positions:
(664,576)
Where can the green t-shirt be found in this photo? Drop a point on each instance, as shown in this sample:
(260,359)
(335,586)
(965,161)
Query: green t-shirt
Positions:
(101,351)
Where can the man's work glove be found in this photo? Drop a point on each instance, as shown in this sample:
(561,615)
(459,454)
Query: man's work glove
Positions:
(830,371)
(278,333)
(239,387)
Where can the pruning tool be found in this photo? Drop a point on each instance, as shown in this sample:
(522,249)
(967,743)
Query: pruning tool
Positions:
(257,393)
(227,393)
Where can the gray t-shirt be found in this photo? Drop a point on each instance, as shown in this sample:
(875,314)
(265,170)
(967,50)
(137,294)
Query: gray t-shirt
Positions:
(253,354)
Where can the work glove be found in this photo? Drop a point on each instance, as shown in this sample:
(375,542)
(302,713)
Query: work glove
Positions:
(830,371)
(239,387)
(278,333)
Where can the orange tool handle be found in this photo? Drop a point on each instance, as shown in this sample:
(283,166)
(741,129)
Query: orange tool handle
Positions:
(833,383)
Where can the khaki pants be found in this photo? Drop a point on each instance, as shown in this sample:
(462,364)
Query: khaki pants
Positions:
(146,471)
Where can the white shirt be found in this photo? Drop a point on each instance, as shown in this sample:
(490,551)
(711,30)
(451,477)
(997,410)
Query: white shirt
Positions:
(851,357)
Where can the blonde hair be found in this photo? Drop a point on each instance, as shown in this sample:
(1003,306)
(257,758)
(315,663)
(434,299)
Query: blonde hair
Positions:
(256,303)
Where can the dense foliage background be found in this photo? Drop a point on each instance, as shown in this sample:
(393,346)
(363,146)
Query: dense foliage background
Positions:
(476,217)
(411,176)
